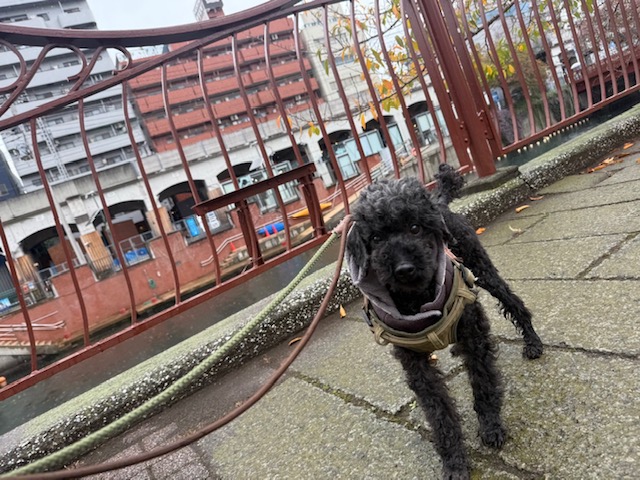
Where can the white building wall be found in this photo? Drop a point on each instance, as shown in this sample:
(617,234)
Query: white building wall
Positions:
(59,138)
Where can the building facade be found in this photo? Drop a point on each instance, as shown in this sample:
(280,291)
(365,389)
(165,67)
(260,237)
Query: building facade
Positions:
(186,103)
(59,140)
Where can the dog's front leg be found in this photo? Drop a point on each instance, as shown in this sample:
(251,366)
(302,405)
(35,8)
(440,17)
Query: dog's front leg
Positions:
(427,383)
(479,353)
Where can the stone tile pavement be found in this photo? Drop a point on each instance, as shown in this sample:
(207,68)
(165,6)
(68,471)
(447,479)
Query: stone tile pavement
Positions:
(343,410)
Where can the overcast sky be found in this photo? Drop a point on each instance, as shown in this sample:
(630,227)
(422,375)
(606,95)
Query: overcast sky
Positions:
(136,14)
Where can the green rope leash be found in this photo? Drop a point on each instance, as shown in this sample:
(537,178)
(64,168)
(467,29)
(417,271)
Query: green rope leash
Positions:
(73,451)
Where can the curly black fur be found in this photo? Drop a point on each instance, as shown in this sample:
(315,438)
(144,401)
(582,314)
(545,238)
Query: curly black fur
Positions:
(398,227)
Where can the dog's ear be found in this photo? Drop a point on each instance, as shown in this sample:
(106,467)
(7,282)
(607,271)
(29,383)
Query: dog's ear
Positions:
(357,250)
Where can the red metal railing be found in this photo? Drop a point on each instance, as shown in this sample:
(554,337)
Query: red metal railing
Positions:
(388,91)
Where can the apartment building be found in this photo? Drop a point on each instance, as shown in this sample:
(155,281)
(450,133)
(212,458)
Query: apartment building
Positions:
(59,139)
(186,102)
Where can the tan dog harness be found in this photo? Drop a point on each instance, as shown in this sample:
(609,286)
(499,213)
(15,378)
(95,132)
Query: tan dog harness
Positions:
(436,336)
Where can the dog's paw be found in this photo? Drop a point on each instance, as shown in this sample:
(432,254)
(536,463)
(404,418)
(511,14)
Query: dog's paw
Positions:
(532,350)
(494,436)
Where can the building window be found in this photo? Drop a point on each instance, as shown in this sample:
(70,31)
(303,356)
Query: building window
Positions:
(42,96)
(72,10)
(55,121)
(71,63)
(16,18)
(65,146)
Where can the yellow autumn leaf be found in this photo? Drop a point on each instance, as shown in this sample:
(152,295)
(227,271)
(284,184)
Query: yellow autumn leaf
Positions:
(373,110)
(511,69)
(369,63)
(343,312)
(363,121)
(395,10)
(279,122)
(535,199)
(627,145)
(519,209)
(480,231)
(295,340)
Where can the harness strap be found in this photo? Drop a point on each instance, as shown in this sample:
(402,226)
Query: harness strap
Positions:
(443,332)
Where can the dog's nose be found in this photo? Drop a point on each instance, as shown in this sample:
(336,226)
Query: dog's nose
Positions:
(405,272)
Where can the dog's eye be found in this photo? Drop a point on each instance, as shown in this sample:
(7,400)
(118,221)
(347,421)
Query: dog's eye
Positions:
(376,239)
(415,229)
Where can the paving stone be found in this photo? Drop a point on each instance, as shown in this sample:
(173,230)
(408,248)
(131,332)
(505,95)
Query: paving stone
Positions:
(159,436)
(168,465)
(598,196)
(575,183)
(570,415)
(551,259)
(599,315)
(586,222)
(299,432)
(623,264)
(138,472)
(629,174)
(344,355)
(500,232)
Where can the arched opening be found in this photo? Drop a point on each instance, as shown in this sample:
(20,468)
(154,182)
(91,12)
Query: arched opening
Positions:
(247,176)
(131,231)
(373,125)
(179,201)
(424,123)
(46,252)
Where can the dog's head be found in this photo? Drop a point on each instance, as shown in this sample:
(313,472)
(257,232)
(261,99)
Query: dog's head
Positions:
(398,232)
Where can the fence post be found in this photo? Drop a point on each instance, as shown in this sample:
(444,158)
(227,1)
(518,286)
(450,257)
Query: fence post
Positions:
(464,92)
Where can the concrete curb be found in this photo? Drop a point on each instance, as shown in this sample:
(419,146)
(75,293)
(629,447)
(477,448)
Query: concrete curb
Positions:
(89,412)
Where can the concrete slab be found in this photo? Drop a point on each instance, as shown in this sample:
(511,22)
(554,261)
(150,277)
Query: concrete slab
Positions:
(575,200)
(598,315)
(551,259)
(628,174)
(585,222)
(562,429)
(344,356)
(501,231)
(622,264)
(575,183)
(298,431)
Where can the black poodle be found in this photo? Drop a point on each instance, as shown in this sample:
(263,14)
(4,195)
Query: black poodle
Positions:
(420,298)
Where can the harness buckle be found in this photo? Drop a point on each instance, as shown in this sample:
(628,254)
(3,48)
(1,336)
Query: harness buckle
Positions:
(366,315)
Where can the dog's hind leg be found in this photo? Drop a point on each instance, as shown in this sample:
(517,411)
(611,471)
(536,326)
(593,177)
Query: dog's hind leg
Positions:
(479,355)
(427,383)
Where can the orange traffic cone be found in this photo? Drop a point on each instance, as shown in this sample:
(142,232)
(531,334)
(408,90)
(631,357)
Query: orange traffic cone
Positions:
(233,247)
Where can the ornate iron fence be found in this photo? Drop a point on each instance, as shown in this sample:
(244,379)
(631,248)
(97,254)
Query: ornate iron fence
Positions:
(111,146)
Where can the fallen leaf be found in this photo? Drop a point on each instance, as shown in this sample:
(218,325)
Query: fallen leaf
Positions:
(480,231)
(638,161)
(343,313)
(595,169)
(627,145)
(535,199)
(519,209)
(515,230)
(295,340)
